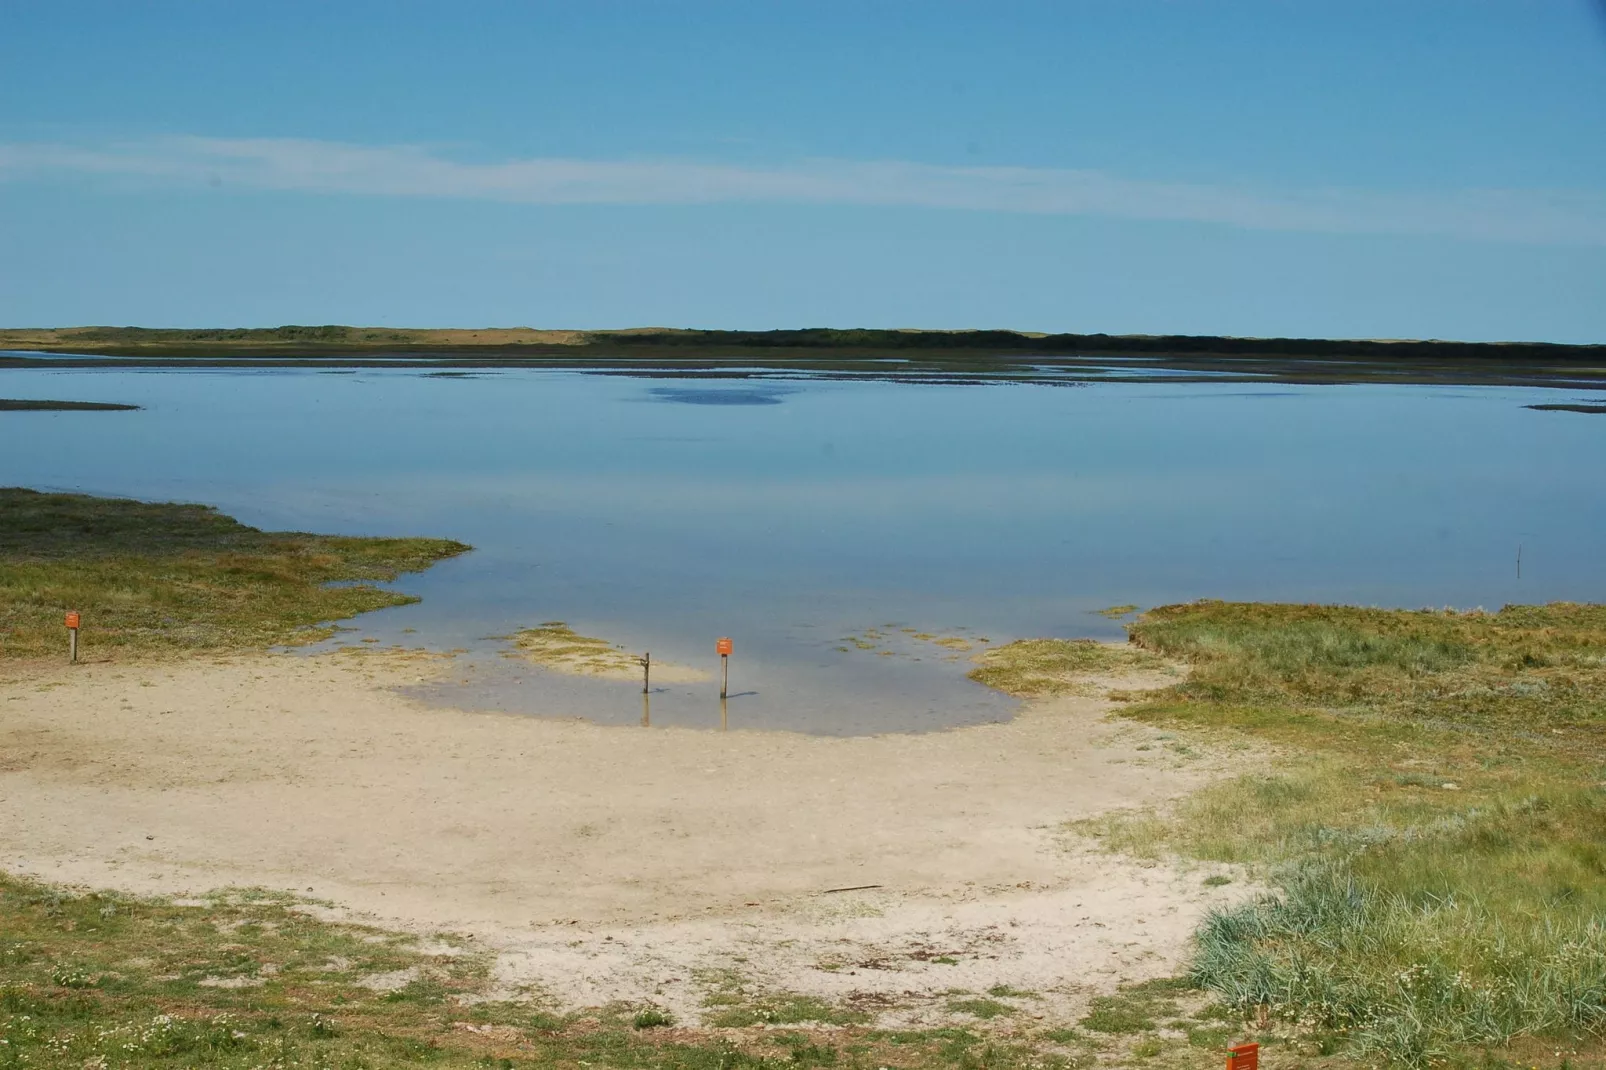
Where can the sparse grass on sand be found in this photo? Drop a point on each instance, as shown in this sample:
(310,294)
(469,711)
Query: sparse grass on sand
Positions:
(153,578)
(1434,825)
(253,979)
(1037,668)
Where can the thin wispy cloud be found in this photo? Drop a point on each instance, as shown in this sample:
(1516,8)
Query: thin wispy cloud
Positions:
(1575,217)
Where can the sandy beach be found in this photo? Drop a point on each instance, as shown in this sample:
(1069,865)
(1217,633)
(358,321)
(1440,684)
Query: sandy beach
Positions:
(610,863)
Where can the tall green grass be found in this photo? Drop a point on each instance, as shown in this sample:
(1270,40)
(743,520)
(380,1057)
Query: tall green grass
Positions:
(1431,814)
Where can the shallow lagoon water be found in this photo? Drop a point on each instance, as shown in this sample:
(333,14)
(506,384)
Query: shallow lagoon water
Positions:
(792,513)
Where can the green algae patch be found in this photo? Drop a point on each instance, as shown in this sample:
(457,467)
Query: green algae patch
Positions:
(556,646)
(161,577)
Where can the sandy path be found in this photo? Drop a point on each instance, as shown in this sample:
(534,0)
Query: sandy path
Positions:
(606,863)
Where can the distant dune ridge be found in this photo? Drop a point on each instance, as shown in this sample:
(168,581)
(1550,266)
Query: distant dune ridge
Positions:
(293,339)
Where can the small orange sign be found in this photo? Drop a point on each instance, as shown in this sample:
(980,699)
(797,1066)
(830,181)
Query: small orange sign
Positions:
(72,621)
(1243,1057)
(723,647)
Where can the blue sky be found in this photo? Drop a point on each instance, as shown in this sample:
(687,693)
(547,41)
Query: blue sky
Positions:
(1409,168)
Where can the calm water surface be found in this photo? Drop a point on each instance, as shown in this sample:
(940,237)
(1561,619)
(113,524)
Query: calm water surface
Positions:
(789,514)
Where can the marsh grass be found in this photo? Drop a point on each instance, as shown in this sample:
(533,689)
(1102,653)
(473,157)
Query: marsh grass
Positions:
(1034,668)
(165,577)
(1435,827)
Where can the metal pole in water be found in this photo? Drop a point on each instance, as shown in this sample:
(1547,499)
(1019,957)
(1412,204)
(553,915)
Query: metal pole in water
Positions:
(646,671)
(1519,560)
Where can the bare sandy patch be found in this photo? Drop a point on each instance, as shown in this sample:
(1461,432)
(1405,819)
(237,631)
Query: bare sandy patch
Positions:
(606,863)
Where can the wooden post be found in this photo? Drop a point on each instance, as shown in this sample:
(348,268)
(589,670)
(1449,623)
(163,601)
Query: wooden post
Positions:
(723,647)
(724,714)
(646,672)
(646,710)
(72,638)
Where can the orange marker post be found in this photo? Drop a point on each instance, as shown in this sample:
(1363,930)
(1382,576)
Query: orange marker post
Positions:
(723,647)
(1243,1057)
(72,638)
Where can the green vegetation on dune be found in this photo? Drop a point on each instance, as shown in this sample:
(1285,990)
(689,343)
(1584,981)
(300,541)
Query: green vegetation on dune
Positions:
(329,333)
(162,577)
(1434,820)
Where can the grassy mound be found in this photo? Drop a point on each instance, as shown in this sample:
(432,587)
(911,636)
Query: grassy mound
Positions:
(152,578)
(1437,827)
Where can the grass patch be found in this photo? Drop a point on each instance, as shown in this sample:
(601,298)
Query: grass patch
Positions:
(1032,668)
(99,979)
(781,1008)
(1136,1008)
(652,1018)
(1435,829)
(165,577)
(1010,992)
(984,1009)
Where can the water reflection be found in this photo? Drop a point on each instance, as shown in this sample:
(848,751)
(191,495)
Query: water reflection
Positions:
(737,395)
(989,512)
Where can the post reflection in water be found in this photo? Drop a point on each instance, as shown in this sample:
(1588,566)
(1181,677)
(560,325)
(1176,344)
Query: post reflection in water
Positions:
(646,712)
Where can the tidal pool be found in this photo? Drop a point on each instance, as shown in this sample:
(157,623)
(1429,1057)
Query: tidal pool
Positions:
(798,515)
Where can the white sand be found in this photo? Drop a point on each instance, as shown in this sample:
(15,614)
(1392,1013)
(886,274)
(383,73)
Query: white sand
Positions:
(609,863)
